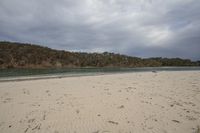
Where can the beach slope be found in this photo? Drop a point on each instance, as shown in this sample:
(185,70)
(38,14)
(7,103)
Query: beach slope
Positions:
(143,102)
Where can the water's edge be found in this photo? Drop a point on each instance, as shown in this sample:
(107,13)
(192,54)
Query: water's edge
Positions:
(8,75)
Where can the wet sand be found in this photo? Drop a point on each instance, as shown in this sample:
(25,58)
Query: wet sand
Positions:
(143,102)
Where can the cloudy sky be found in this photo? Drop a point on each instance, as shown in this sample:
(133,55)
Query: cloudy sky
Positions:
(144,28)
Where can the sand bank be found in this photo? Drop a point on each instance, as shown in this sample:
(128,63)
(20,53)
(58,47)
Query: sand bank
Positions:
(144,102)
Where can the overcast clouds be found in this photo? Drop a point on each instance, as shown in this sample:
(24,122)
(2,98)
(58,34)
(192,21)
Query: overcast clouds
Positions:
(145,28)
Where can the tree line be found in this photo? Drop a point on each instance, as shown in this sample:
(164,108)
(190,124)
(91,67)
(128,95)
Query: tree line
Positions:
(20,55)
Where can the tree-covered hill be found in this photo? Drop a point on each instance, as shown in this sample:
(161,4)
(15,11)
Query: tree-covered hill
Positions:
(19,55)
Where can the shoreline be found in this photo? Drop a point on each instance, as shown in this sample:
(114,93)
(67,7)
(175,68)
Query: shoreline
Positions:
(41,77)
(80,74)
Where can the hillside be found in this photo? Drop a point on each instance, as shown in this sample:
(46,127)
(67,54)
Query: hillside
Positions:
(19,55)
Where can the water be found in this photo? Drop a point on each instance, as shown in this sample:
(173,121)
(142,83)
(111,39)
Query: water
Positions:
(6,73)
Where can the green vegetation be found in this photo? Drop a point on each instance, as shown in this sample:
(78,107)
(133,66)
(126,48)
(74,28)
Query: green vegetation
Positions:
(18,55)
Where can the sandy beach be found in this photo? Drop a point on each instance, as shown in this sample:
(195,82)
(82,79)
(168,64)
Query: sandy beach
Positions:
(143,102)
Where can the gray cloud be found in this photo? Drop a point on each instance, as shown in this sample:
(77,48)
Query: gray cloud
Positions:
(134,27)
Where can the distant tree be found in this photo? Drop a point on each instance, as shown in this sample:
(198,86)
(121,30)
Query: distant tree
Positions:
(19,55)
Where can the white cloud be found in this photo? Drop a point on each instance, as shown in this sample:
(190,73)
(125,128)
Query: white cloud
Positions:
(134,27)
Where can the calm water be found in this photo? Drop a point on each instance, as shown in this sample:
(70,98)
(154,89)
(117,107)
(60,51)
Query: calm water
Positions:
(9,73)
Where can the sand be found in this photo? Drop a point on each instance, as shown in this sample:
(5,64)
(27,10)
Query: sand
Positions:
(143,102)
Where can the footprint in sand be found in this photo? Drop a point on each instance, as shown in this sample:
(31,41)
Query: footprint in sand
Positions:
(26,129)
(31,120)
(191,118)
(38,126)
(44,116)
(176,121)
(48,92)
(77,111)
(120,107)
(65,95)
(7,100)
(26,92)
(113,122)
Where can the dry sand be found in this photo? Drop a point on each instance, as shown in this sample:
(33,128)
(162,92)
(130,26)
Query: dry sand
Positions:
(144,102)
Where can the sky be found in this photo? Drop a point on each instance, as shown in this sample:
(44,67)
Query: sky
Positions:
(142,28)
